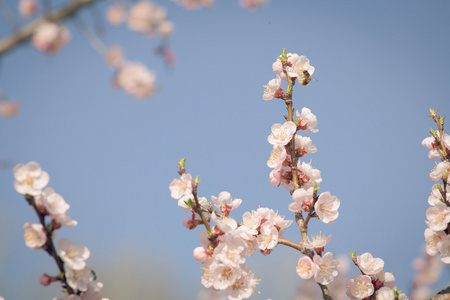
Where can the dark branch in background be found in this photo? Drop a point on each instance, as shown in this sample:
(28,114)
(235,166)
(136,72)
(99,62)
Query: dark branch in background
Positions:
(24,33)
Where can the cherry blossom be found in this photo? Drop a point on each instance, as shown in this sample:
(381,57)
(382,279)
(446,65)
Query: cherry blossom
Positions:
(251,4)
(438,216)
(116,14)
(271,89)
(73,255)
(307,120)
(114,56)
(136,80)
(9,108)
(308,175)
(165,28)
(430,143)
(327,208)
(225,224)
(370,265)
(327,268)
(282,134)
(50,37)
(277,156)
(195,4)
(243,287)
(317,241)
(79,279)
(35,236)
(300,196)
(181,187)
(304,146)
(306,268)
(300,64)
(438,171)
(360,287)
(30,179)
(27,8)
(225,203)
(268,238)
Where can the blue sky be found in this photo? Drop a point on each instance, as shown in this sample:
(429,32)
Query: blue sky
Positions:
(380,66)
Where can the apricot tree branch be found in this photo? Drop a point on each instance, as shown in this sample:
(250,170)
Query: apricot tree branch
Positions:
(24,33)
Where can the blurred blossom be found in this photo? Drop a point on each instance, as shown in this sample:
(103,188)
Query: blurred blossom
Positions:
(165,28)
(27,8)
(116,14)
(136,80)
(195,4)
(143,15)
(50,37)
(251,4)
(9,108)
(114,56)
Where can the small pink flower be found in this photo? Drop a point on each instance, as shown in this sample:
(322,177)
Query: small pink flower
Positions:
(165,28)
(35,236)
(30,179)
(327,207)
(282,134)
(306,268)
(27,8)
(272,87)
(114,56)
(370,265)
(136,80)
(50,37)
(9,108)
(116,14)
(360,287)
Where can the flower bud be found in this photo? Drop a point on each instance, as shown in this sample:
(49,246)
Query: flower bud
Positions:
(45,280)
(200,254)
(189,223)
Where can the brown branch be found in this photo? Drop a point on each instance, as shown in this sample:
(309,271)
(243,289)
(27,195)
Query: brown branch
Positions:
(25,32)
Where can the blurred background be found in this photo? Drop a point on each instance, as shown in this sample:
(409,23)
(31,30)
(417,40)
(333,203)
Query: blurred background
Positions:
(380,66)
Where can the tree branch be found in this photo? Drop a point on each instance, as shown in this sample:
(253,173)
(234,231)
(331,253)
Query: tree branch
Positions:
(25,32)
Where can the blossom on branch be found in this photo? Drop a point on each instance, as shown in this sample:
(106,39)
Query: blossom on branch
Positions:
(136,80)
(30,179)
(35,235)
(50,37)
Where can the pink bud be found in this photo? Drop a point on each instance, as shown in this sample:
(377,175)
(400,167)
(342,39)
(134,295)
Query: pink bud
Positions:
(189,223)
(45,280)
(200,254)
(275,178)
(265,252)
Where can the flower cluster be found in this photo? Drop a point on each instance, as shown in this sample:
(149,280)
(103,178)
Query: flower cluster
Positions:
(438,215)
(373,281)
(75,277)
(227,243)
(143,16)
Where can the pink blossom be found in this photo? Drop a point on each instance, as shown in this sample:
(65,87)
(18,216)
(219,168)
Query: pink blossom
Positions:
(79,279)
(275,177)
(268,238)
(35,235)
(195,4)
(144,15)
(27,8)
(438,216)
(300,196)
(73,255)
(370,265)
(303,145)
(300,64)
(50,37)
(327,207)
(439,170)
(307,120)
(360,287)
(306,268)
(114,56)
(251,4)
(30,179)
(277,157)
(317,241)
(136,80)
(165,28)
(327,268)
(243,287)
(116,14)
(225,203)
(271,89)
(282,134)
(9,108)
